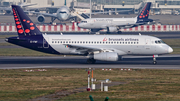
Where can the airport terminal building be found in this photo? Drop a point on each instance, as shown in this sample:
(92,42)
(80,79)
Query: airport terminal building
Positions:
(158,6)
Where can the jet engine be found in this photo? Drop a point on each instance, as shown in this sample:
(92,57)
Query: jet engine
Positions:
(41,18)
(112,29)
(8,12)
(106,56)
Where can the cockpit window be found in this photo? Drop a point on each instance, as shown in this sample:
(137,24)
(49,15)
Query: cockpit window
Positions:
(62,12)
(83,21)
(159,42)
(162,41)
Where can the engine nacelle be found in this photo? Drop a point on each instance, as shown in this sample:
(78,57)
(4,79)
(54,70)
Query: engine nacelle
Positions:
(106,56)
(41,18)
(8,12)
(112,29)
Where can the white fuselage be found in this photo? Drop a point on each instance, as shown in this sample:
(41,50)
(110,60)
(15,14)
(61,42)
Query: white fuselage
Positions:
(121,44)
(103,23)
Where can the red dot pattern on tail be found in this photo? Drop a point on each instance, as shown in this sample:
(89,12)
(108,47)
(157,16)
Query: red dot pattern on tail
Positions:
(27,30)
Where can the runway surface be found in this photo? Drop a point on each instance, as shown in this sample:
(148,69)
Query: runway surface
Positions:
(134,62)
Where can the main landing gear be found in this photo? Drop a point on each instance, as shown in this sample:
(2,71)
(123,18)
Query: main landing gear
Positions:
(52,20)
(154,59)
(91,61)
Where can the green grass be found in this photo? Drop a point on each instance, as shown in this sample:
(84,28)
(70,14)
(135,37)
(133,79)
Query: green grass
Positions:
(6,36)
(141,84)
(19,85)
(172,42)
(21,52)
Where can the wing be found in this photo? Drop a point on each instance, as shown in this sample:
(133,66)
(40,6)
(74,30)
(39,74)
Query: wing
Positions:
(5,8)
(83,48)
(135,25)
(111,11)
(45,14)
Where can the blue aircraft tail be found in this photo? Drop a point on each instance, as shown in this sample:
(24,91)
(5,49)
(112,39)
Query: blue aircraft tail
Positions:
(144,14)
(25,27)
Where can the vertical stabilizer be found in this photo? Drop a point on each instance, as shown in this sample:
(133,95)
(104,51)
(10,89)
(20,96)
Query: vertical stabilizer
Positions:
(24,25)
(144,14)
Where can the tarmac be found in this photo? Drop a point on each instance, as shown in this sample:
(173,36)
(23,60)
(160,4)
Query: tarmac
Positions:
(133,62)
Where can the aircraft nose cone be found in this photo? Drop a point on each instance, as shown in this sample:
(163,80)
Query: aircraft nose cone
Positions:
(170,50)
(79,25)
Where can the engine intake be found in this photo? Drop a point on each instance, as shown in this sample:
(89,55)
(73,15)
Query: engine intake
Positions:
(106,56)
(41,18)
(112,29)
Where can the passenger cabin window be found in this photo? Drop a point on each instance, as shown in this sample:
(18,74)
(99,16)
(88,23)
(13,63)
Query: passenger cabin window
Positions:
(101,42)
(83,21)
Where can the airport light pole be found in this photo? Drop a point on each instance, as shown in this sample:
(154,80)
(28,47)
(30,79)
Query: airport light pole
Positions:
(90,8)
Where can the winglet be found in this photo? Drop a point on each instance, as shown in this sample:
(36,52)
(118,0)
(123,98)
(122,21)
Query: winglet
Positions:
(24,25)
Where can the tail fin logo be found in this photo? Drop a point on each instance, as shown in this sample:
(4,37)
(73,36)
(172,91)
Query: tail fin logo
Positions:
(18,24)
(105,39)
(145,12)
(24,25)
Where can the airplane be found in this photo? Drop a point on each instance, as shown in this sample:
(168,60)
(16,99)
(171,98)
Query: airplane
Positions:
(8,10)
(95,47)
(114,24)
(62,14)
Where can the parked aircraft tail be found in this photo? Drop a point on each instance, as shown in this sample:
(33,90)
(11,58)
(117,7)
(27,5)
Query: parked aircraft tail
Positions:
(24,25)
(144,14)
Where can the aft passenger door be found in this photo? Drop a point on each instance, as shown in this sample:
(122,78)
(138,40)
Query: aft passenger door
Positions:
(45,43)
(148,44)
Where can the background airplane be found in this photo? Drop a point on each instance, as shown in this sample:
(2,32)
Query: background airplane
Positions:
(96,47)
(8,10)
(114,24)
(64,13)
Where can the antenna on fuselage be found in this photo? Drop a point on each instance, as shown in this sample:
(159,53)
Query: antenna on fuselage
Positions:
(140,34)
(61,33)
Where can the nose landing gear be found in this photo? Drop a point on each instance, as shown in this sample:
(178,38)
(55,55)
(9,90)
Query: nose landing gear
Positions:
(154,59)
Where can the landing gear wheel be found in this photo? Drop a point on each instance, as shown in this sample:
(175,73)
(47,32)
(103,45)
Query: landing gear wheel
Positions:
(91,61)
(119,32)
(108,32)
(52,20)
(154,62)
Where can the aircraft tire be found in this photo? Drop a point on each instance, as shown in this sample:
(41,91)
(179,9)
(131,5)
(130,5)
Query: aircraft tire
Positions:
(91,61)
(154,62)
